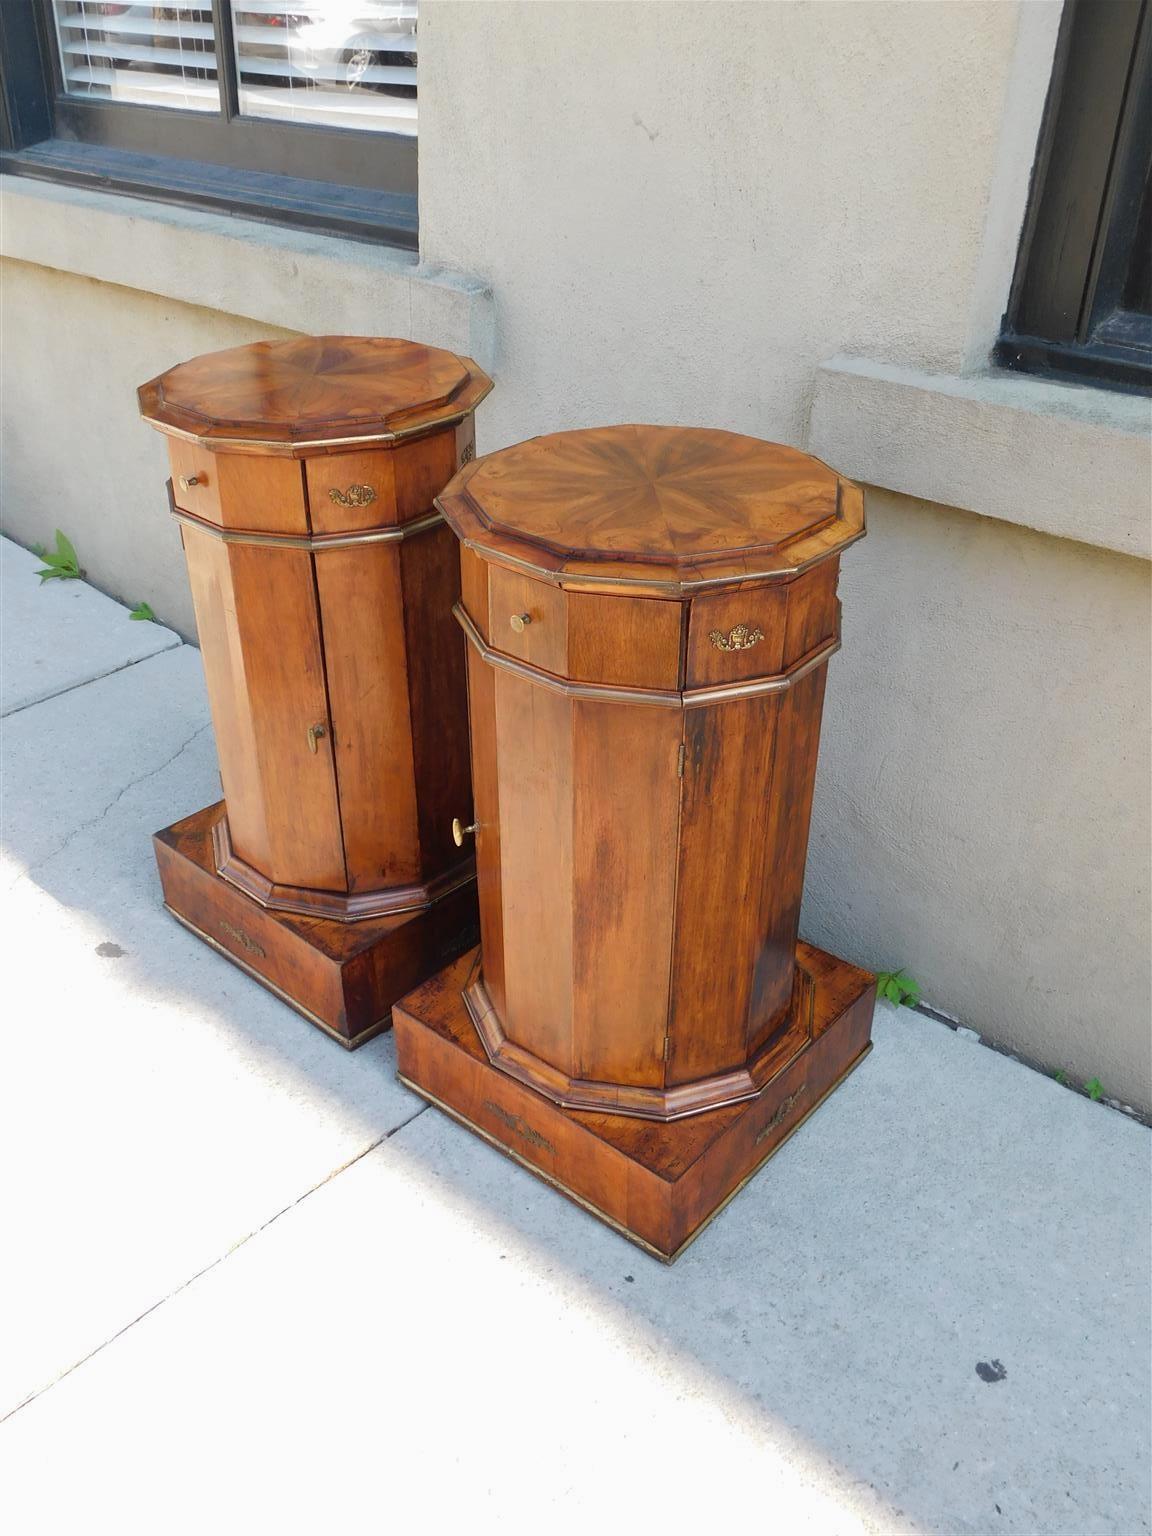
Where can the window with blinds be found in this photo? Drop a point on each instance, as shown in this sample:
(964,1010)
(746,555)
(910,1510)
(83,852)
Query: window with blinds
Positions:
(336,63)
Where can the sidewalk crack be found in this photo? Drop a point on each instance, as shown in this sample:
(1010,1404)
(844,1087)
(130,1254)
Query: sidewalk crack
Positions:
(200,1273)
(115,801)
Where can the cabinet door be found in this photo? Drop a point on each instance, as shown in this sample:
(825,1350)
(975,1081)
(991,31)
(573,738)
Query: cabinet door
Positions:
(259,635)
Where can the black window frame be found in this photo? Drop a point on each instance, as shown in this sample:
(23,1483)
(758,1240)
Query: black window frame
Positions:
(338,180)
(1089,204)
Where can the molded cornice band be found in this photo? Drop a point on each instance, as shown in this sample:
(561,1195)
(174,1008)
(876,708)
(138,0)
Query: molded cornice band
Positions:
(665,698)
(304,541)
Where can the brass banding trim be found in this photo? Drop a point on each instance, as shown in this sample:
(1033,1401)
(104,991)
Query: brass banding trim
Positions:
(316,543)
(288,448)
(577,579)
(559,1185)
(663,698)
(367,1033)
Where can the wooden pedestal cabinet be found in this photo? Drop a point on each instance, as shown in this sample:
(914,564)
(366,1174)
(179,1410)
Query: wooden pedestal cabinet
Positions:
(649,613)
(323,577)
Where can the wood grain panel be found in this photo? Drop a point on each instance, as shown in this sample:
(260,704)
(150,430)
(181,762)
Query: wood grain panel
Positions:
(486,812)
(534,770)
(437,692)
(422,469)
(474,589)
(631,641)
(544,639)
(368,695)
(280,656)
(350,475)
(626,812)
(214,600)
(723,866)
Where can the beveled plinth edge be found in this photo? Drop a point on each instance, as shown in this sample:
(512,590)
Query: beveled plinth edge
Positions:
(674,1102)
(337,906)
(659,1185)
(343,978)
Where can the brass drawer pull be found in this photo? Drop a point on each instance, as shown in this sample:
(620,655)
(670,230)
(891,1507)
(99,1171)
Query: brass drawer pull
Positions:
(460,831)
(354,496)
(738,638)
(520,622)
(188,482)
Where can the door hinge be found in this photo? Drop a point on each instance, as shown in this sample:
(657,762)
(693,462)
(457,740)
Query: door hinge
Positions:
(680,756)
(667,1047)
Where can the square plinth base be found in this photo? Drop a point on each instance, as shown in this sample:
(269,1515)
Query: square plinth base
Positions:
(658,1184)
(343,977)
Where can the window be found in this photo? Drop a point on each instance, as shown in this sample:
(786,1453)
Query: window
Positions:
(1080,304)
(303,111)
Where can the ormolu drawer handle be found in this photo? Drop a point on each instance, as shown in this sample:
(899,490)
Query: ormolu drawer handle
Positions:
(520,622)
(314,734)
(354,496)
(738,638)
(460,831)
(188,481)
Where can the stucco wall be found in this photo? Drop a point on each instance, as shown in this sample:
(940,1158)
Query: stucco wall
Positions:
(75,453)
(681,212)
(683,209)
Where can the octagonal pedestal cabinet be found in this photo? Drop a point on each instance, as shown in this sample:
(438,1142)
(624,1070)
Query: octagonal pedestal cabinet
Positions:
(323,578)
(649,614)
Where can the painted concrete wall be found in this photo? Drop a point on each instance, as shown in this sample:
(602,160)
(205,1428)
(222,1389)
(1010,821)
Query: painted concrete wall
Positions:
(682,211)
(75,454)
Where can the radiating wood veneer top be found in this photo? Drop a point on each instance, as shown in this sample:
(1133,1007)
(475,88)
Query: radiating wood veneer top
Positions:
(313,393)
(640,507)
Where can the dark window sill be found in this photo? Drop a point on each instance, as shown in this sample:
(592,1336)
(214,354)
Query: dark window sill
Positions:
(385,218)
(1107,365)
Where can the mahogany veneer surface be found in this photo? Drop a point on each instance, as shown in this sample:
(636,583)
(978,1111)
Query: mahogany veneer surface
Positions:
(303,478)
(643,755)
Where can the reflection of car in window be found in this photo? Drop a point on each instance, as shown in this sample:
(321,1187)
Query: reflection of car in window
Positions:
(345,46)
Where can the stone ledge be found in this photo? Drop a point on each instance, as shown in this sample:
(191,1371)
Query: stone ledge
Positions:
(1064,459)
(292,278)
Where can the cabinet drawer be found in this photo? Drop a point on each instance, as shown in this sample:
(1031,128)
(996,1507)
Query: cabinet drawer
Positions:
(734,636)
(350,492)
(527,619)
(236,490)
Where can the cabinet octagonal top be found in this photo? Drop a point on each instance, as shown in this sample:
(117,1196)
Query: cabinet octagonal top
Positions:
(643,508)
(313,392)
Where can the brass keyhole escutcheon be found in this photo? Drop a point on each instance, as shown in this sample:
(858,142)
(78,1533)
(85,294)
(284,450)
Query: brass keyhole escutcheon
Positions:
(460,831)
(314,734)
(520,622)
(187,482)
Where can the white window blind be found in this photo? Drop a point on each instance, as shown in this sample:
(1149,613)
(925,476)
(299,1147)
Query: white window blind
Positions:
(342,63)
(346,63)
(150,55)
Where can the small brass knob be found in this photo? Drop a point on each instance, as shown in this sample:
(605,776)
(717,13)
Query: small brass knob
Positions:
(460,831)
(520,622)
(314,734)
(188,481)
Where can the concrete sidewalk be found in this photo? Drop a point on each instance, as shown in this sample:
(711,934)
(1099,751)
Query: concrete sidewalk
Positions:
(250,1283)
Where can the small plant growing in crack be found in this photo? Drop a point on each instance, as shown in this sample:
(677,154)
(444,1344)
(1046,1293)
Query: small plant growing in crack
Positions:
(60,564)
(898,987)
(1094,1088)
(143,611)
